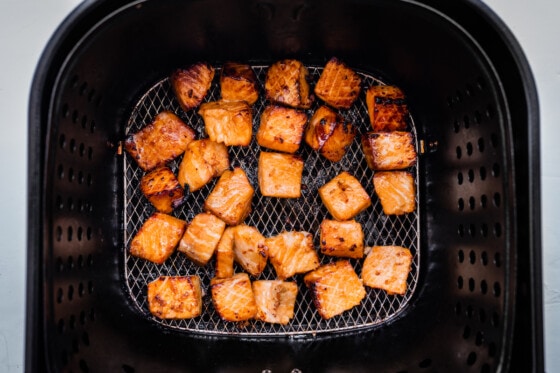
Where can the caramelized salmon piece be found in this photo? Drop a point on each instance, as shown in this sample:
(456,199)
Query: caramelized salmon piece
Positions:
(281,128)
(344,196)
(280,174)
(175,297)
(157,238)
(203,160)
(291,253)
(389,150)
(342,238)
(249,249)
(162,189)
(230,200)
(396,191)
(159,142)
(192,84)
(286,83)
(329,134)
(275,300)
(201,237)
(335,288)
(228,122)
(224,254)
(338,85)
(387,268)
(238,82)
(233,297)
(387,109)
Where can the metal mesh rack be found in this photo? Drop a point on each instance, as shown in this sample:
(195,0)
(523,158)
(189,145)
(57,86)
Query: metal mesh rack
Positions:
(271,216)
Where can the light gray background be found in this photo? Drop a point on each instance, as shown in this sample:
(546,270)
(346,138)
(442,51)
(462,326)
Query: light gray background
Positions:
(26,25)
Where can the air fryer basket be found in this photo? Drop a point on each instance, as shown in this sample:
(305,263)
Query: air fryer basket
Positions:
(475,303)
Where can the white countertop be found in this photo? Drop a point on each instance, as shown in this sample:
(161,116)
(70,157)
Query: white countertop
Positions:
(25,27)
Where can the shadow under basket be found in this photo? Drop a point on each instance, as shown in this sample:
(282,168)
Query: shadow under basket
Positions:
(474,302)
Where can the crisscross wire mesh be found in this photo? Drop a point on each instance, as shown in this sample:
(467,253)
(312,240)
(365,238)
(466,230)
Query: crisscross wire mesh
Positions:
(271,216)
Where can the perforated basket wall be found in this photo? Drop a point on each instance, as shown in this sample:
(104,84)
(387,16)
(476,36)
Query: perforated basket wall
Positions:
(473,302)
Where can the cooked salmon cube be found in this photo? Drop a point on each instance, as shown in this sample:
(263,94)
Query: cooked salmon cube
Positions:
(162,189)
(157,238)
(233,297)
(249,249)
(238,82)
(335,288)
(224,254)
(396,191)
(203,160)
(292,253)
(386,107)
(192,84)
(387,268)
(338,85)
(342,238)
(228,122)
(201,237)
(230,200)
(280,174)
(344,196)
(275,300)
(159,142)
(389,150)
(286,83)
(175,297)
(281,128)
(329,133)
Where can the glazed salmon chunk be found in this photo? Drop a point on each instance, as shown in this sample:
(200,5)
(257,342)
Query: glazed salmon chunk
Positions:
(224,254)
(387,268)
(396,191)
(238,82)
(157,238)
(203,160)
(342,238)
(386,107)
(191,85)
(338,85)
(175,297)
(228,122)
(286,83)
(335,288)
(292,253)
(249,249)
(161,141)
(233,297)
(389,150)
(201,237)
(344,196)
(279,175)
(162,189)
(281,128)
(275,300)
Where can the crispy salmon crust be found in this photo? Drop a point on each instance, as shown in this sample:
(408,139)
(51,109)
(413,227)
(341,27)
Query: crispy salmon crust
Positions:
(238,82)
(344,196)
(286,83)
(192,84)
(281,128)
(228,122)
(175,297)
(387,108)
(292,253)
(233,297)
(389,150)
(275,300)
(338,85)
(203,160)
(279,175)
(162,189)
(342,238)
(396,191)
(201,237)
(387,268)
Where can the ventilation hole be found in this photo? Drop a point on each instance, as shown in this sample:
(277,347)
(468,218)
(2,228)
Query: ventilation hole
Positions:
(480,145)
(467,122)
(482,173)
(459,153)
(491,349)
(460,204)
(85,338)
(484,258)
(460,230)
(483,201)
(72,322)
(477,117)
(471,359)
(72,146)
(70,262)
(495,320)
(482,315)
(83,89)
(71,205)
(469,312)
(456,126)
(80,177)
(75,346)
(90,153)
(90,287)
(91,95)
(466,332)
(74,81)
(497,199)
(483,287)
(92,314)
(75,116)
(469,90)
(479,338)
(461,256)
(82,149)
(485,368)
(458,96)
(471,284)
(60,172)
(82,318)
(88,233)
(59,295)
(59,233)
(457,309)
(460,178)
(472,230)
(60,326)
(490,111)
(81,290)
(65,111)
(472,203)
(460,282)
(62,141)
(497,230)
(60,264)
(84,121)
(59,203)
(426,363)
(484,230)
(92,126)
(89,180)
(472,257)
(496,170)
(469,148)
(470,175)
(497,260)
(494,140)
(71,176)
(89,261)
(70,232)
(79,233)
(497,289)
(83,366)
(480,84)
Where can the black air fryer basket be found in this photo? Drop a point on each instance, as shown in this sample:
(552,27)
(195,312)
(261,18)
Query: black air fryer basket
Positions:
(474,292)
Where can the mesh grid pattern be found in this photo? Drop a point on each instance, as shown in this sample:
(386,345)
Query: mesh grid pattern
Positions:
(271,216)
